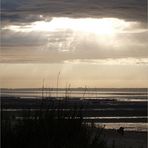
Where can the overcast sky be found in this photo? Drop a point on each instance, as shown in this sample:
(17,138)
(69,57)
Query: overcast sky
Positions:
(99,43)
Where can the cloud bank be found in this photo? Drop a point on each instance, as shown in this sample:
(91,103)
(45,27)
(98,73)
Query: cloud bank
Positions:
(53,46)
(20,11)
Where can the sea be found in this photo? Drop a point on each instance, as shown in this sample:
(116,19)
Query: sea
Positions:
(110,107)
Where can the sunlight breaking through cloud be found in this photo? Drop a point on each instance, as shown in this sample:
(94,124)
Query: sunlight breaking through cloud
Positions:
(104,26)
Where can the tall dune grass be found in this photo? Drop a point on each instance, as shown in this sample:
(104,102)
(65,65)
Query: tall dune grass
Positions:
(50,129)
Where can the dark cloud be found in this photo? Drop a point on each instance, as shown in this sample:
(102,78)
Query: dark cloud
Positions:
(29,10)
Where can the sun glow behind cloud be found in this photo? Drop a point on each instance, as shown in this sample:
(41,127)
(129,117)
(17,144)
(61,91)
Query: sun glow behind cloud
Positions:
(107,37)
(69,32)
(104,26)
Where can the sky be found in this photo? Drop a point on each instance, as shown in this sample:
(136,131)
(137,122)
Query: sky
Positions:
(93,43)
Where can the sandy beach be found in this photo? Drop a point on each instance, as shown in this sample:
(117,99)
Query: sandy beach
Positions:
(130,139)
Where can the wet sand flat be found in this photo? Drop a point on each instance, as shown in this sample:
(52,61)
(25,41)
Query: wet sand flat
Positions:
(130,139)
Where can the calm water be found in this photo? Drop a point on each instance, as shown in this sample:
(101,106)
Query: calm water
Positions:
(117,94)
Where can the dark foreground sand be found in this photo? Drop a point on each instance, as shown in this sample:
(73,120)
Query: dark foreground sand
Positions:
(130,139)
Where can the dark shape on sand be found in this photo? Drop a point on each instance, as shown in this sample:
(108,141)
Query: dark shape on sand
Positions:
(121,130)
